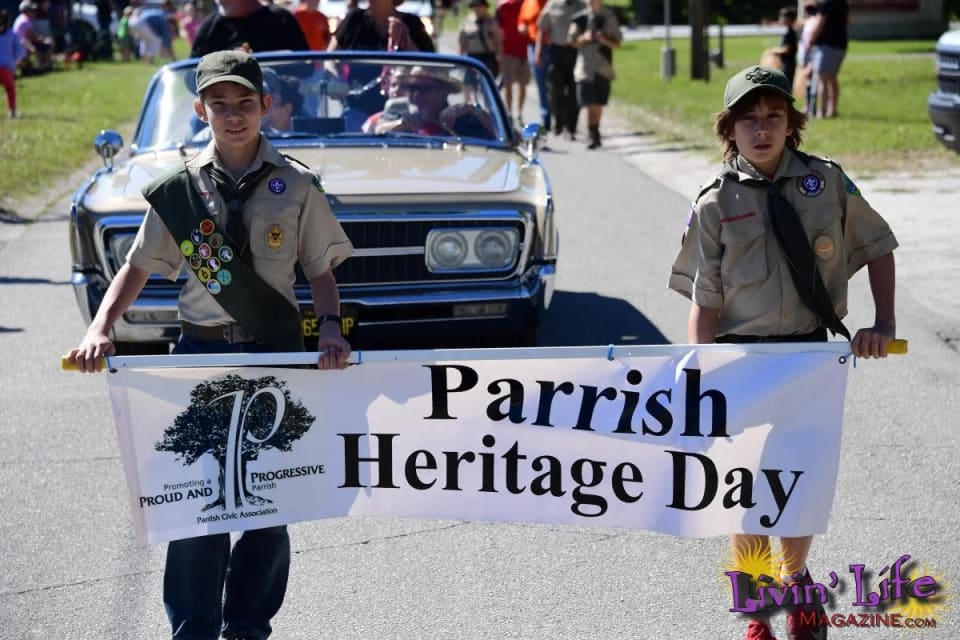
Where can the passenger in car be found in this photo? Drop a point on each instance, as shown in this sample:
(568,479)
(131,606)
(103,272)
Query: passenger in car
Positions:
(287,101)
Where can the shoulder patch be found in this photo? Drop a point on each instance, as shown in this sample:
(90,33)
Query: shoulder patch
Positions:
(850,187)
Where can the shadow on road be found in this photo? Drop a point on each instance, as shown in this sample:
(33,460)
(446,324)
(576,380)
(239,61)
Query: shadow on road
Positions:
(579,319)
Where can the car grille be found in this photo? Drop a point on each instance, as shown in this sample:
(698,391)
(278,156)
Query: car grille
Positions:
(948,85)
(389,249)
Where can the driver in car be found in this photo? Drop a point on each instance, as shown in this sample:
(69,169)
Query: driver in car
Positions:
(419,103)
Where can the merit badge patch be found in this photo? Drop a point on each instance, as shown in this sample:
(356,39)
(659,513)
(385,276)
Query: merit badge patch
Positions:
(216,241)
(213,264)
(224,277)
(205,251)
(226,254)
(277,186)
(811,185)
(206,227)
(274,236)
(214,287)
(186,248)
(195,262)
(196,236)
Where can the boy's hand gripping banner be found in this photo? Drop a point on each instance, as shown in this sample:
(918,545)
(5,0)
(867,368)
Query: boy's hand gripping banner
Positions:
(693,441)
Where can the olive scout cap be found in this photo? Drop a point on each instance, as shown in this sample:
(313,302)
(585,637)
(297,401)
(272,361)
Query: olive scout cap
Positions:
(752,79)
(229,66)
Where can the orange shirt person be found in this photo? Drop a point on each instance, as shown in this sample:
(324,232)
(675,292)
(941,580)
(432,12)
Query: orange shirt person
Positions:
(314,24)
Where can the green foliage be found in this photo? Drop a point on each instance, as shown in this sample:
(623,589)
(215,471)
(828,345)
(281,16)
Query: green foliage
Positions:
(60,113)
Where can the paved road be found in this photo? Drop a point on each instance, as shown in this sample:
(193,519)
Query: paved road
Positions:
(72,570)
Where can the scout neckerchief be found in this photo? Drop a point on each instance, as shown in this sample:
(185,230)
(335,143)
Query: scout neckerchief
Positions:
(792,238)
(212,257)
(235,194)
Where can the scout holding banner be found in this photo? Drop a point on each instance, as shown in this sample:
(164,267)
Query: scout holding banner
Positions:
(694,441)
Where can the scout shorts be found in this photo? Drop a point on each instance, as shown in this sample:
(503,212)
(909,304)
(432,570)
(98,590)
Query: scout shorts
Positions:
(514,70)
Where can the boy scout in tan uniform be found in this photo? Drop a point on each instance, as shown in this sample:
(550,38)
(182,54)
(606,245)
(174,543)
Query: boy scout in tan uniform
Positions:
(771,201)
(237,217)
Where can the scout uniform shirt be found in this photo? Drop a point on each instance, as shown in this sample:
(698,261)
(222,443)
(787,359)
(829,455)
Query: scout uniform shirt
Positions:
(288,220)
(555,20)
(594,58)
(731,260)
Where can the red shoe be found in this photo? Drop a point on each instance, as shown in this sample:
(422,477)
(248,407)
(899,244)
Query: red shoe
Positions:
(803,622)
(758,630)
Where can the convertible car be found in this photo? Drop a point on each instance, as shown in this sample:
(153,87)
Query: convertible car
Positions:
(449,209)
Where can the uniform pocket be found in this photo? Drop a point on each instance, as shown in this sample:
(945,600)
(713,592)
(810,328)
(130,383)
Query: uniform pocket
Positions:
(273,235)
(744,251)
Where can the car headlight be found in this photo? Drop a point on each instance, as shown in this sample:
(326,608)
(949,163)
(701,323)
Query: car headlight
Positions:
(447,250)
(471,249)
(119,246)
(495,249)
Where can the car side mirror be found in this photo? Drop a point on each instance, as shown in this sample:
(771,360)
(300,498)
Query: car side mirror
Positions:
(531,140)
(108,144)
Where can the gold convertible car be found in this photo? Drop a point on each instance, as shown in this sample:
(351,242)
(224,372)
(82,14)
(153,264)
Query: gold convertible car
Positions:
(448,207)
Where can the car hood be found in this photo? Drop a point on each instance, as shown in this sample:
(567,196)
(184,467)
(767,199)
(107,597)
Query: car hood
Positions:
(347,173)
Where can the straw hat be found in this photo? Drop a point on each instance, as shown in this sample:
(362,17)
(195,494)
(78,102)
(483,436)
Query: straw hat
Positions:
(420,74)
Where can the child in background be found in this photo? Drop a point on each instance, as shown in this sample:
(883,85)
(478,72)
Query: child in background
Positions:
(124,38)
(734,265)
(189,22)
(11,53)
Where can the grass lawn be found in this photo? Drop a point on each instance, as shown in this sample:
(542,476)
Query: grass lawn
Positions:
(884,85)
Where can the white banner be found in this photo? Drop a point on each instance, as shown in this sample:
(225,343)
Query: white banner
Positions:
(687,441)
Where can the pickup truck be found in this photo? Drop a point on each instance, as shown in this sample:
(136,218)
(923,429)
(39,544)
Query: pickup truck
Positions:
(944,103)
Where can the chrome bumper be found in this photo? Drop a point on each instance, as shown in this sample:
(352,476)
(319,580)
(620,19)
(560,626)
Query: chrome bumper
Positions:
(154,319)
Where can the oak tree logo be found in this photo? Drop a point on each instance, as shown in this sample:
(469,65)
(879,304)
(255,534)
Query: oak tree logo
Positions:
(233,419)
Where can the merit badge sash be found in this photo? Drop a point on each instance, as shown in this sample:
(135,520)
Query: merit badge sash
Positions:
(213,259)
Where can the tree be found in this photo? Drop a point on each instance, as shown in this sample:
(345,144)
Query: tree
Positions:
(235,414)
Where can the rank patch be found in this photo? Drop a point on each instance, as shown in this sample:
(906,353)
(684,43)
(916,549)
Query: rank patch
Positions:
(823,246)
(274,236)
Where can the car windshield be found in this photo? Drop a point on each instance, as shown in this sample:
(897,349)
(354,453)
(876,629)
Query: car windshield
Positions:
(347,99)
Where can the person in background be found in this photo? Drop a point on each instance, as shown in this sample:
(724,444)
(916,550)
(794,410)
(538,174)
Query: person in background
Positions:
(381,27)
(39,48)
(189,22)
(156,20)
(125,39)
(314,24)
(527,25)
(248,25)
(807,75)
(829,41)
(149,42)
(210,587)
(553,31)
(787,51)
(12,52)
(480,37)
(595,34)
(746,268)
(514,66)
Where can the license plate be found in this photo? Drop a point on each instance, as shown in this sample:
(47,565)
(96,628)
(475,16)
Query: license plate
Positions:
(308,322)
